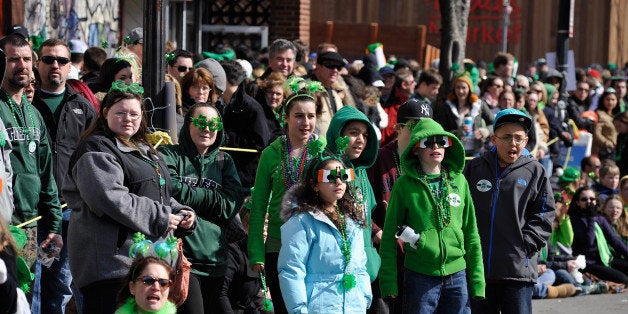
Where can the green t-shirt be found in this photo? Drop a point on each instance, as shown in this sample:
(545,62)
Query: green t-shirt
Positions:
(53,101)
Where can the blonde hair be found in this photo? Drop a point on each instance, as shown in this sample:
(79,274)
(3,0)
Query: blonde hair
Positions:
(622,221)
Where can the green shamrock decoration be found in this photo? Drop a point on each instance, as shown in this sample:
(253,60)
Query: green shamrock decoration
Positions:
(342,143)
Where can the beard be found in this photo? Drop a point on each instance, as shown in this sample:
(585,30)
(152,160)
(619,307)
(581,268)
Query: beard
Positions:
(16,82)
(55,81)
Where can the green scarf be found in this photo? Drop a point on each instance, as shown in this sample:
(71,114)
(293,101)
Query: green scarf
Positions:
(130,307)
(602,246)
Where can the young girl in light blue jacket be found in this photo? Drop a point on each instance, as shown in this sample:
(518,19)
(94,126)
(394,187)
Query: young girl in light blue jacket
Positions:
(322,262)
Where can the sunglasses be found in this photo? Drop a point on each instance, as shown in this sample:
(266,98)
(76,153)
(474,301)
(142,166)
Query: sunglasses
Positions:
(440,141)
(333,66)
(150,280)
(330,176)
(51,60)
(202,122)
(590,199)
(183,68)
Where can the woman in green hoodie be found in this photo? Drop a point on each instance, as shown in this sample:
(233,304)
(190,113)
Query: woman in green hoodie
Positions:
(206,180)
(431,208)
(351,134)
(280,167)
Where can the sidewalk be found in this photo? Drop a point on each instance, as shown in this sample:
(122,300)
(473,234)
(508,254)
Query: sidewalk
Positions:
(591,304)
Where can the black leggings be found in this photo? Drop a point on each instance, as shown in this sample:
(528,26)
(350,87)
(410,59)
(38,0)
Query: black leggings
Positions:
(272,281)
(607,273)
(203,295)
(100,296)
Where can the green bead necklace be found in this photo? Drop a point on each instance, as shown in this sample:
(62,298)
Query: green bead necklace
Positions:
(443,207)
(18,115)
(348,280)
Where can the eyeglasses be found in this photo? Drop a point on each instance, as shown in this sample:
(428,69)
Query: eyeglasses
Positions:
(332,66)
(51,60)
(509,138)
(123,114)
(498,86)
(330,176)
(150,280)
(582,89)
(439,141)
(590,199)
(183,68)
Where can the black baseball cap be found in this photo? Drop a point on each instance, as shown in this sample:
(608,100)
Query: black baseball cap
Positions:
(20,30)
(413,109)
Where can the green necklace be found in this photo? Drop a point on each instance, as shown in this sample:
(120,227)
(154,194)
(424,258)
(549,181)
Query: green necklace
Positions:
(443,207)
(348,280)
(18,115)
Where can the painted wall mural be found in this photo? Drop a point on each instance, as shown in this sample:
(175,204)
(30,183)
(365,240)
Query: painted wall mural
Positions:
(92,21)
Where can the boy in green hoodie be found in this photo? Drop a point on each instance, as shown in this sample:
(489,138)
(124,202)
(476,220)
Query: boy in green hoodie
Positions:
(431,203)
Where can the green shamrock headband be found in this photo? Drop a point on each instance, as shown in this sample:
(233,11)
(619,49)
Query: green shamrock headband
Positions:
(169,56)
(120,86)
(201,122)
(300,88)
(342,143)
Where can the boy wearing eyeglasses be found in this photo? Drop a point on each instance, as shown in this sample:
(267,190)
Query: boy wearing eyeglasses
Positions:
(431,211)
(515,207)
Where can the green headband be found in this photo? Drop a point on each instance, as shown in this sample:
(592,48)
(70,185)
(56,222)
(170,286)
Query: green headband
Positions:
(120,86)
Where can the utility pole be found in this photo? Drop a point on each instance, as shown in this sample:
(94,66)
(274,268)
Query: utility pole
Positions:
(154,46)
(565,31)
(507,11)
(153,63)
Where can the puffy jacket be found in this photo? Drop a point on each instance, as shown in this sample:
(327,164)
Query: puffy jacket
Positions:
(443,249)
(361,187)
(311,264)
(210,185)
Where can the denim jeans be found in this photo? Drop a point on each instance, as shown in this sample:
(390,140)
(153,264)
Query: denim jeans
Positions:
(544,280)
(430,294)
(505,297)
(53,287)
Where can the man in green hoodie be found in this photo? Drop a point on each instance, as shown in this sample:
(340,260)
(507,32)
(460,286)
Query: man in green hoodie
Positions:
(351,133)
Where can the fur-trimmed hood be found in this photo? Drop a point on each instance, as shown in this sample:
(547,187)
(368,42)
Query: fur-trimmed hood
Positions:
(290,206)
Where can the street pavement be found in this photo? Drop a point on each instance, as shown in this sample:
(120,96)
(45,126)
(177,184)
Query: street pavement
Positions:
(590,304)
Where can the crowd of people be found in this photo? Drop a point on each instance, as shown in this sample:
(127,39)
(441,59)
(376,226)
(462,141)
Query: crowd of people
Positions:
(302,182)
